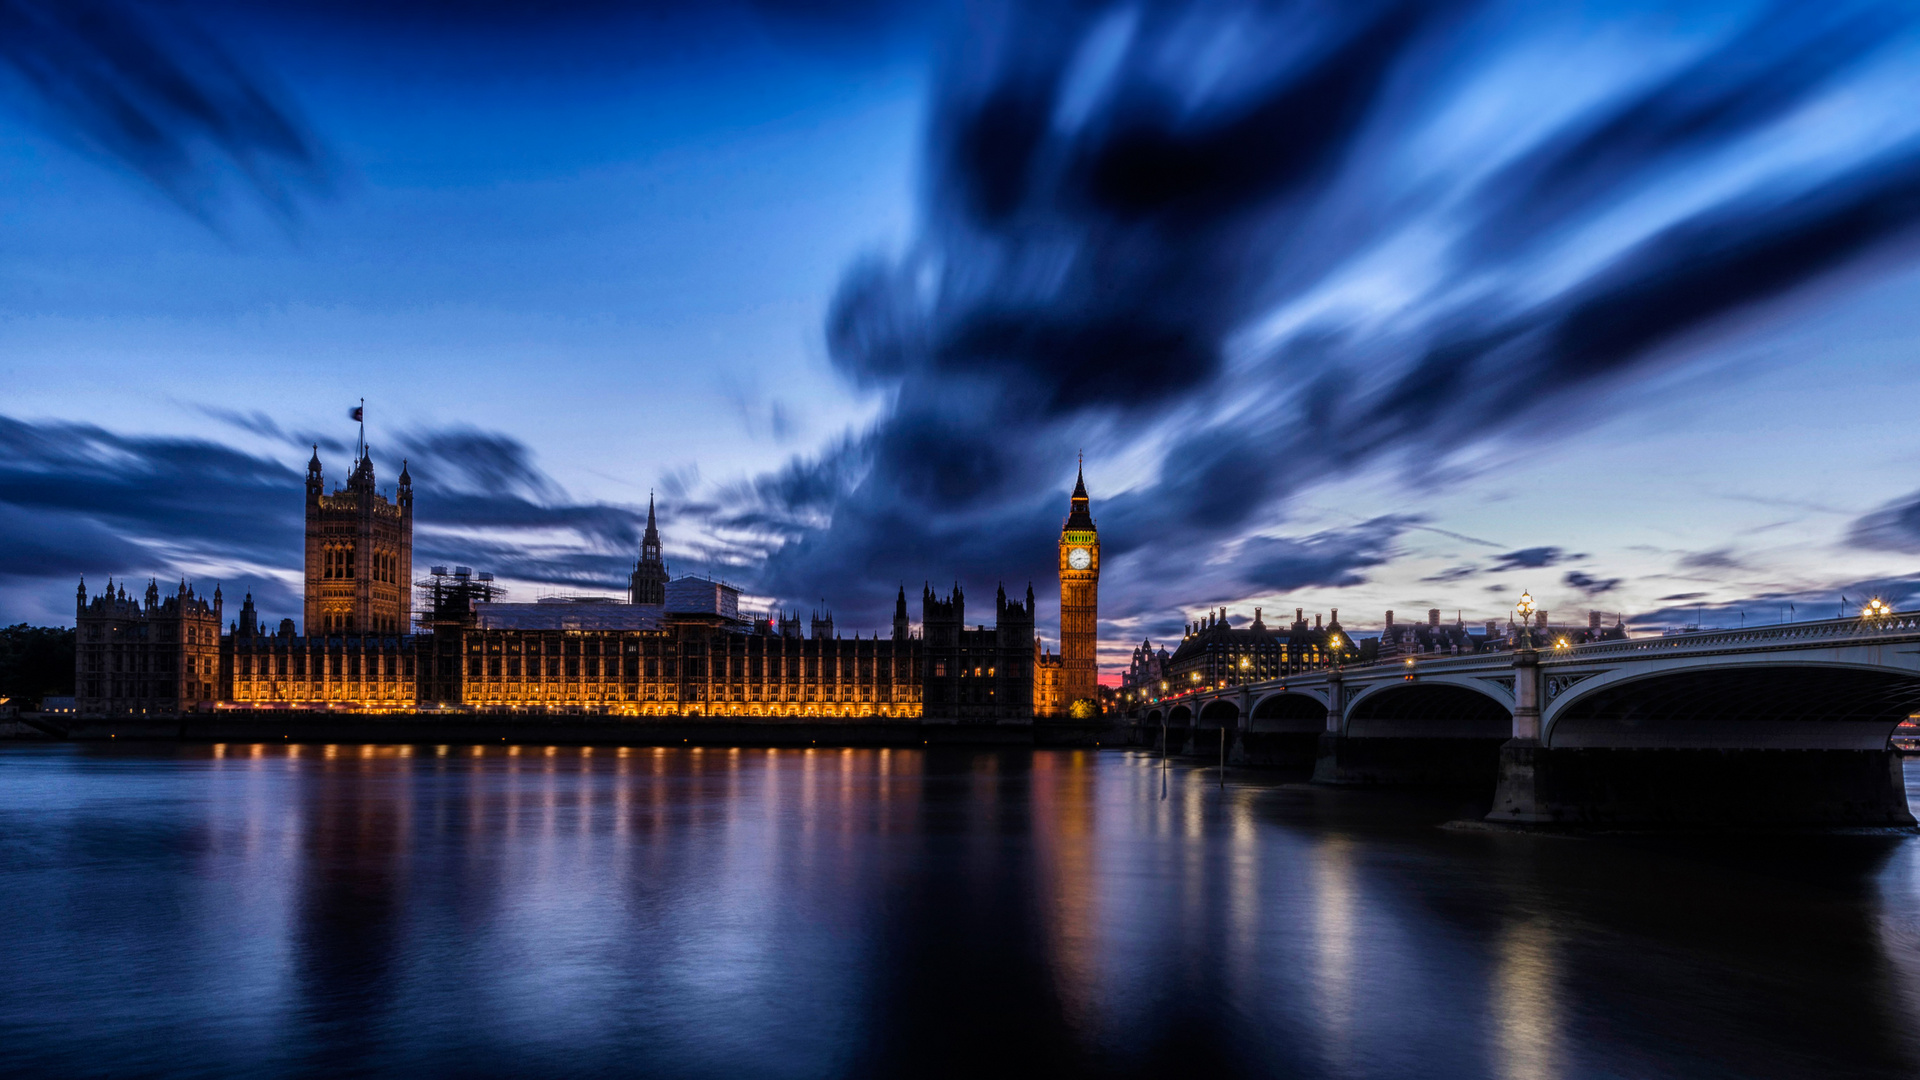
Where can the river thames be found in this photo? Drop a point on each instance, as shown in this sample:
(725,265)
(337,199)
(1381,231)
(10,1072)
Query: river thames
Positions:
(243,910)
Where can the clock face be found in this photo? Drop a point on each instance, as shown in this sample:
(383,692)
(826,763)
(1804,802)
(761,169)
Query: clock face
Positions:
(1079,558)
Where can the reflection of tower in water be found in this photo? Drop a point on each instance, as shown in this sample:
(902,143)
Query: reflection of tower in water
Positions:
(353,887)
(1067,868)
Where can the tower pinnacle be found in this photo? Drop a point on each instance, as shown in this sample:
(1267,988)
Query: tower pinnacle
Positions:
(649,582)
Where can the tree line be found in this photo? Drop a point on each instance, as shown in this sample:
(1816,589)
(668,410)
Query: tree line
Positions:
(35,662)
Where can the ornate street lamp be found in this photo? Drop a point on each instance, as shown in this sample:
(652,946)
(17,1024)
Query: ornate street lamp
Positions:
(1524,609)
(1876,609)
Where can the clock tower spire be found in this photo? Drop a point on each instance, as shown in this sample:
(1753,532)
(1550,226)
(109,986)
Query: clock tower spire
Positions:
(1079,603)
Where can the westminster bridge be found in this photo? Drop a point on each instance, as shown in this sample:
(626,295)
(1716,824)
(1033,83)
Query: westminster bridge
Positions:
(1786,724)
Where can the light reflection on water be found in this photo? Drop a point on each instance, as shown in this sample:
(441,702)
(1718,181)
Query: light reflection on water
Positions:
(275,910)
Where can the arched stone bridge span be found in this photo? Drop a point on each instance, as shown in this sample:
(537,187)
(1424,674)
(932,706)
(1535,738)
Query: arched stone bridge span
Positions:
(1823,690)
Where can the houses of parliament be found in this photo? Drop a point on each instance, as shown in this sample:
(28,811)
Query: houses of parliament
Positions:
(673,647)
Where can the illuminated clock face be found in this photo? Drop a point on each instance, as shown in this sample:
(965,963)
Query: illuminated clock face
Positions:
(1079,558)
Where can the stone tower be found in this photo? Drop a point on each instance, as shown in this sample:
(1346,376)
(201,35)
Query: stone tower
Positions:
(359,556)
(1079,600)
(649,584)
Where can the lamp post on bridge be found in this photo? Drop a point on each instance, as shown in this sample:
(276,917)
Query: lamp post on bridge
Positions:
(1526,675)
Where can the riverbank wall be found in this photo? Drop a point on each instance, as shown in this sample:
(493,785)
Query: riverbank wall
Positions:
(471,729)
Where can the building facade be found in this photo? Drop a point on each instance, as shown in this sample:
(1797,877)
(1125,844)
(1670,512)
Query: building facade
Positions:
(1048,698)
(359,554)
(157,658)
(977,673)
(1079,602)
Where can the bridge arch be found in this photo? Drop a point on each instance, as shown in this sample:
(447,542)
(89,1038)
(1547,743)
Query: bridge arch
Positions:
(1219,712)
(1801,704)
(1155,716)
(1288,711)
(1429,709)
(1180,716)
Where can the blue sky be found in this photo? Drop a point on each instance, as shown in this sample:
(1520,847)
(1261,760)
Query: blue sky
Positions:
(1363,307)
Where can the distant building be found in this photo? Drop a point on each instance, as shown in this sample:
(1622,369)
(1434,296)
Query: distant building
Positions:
(1147,670)
(1433,638)
(1428,639)
(1214,652)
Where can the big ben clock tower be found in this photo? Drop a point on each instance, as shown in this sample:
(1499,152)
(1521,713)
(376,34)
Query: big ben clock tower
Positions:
(1079,602)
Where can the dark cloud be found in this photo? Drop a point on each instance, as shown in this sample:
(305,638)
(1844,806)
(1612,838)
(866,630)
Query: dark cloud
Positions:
(261,424)
(145,87)
(1895,527)
(1589,584)
(1768,68)
(1683,596)
(1330,559)
(1111,210)
(1452,574)
(161,89)
(78,499)
(1840,600)
(1718,559)
(1532,558)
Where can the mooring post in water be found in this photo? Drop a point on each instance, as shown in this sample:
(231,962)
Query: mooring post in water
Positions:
(1223,755)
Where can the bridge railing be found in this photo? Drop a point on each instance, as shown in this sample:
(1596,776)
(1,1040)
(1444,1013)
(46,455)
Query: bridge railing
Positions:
(1898,624)
(1825,631)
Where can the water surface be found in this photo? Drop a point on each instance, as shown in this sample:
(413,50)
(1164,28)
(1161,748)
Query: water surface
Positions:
(313,911)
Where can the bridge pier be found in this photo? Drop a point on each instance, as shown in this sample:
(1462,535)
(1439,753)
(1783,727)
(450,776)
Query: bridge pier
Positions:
(1405,761)
(1276,749)
(1539,785)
